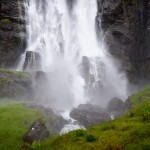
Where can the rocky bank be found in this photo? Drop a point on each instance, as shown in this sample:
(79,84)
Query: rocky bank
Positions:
(126,28)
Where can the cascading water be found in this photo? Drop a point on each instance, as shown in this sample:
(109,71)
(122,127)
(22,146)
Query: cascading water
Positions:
(77,65)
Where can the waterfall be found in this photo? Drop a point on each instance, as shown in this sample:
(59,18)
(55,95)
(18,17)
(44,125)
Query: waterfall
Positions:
(76,62)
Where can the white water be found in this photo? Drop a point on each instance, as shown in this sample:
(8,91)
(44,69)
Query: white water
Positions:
(62,35)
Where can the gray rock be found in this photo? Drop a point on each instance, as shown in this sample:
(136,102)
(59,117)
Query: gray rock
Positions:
(37,132)
(89,114)
(32,61)
(12,32)
(15,85)
(127,34)
(53,121)
(116,107)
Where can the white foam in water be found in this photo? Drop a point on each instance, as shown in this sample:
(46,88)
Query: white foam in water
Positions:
(70,127)
(62,35)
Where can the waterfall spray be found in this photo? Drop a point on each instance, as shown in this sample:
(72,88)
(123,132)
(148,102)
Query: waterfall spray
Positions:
(77,65)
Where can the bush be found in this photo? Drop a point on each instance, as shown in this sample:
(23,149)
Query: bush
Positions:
(35,145)
(80,133)
(90,138)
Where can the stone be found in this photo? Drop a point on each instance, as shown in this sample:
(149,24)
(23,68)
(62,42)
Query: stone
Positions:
(53,121)
(12,32)
(32,61)
(127,34)
(116,107)
(88,114)
(37,132)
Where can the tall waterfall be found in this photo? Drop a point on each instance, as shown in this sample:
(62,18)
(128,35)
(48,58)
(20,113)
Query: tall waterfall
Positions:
(79,68)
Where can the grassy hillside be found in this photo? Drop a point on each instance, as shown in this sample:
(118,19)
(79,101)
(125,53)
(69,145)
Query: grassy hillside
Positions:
(130,132)
(15,120)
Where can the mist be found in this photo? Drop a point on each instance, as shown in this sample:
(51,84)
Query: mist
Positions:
(74,64)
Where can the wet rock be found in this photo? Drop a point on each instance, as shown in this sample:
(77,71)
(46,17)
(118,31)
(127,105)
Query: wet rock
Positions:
(32,61)
(53,121)
(15,85)
(89,114)
(37,132)
(93,72)
(12,32)
(116,107)
(126,28)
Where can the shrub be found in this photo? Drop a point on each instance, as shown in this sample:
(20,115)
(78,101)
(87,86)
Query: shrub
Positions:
(80,133)
(90,138)
(35,145)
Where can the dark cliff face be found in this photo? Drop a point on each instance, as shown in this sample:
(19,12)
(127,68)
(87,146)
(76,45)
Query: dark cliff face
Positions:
(126,27)
(12,31)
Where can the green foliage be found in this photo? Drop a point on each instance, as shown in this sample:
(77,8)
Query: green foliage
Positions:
(128,132)
(90,138)
(6,20)
(15,119)
(80,133)
(4,79)
(35,145)
(42,121)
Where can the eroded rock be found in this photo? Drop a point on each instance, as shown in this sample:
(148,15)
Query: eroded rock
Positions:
(37,132)
(89,114)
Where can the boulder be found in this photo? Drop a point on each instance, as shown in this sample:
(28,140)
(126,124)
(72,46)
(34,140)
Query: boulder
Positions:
(53,121)
(116,107)
(89,114)
(37,132)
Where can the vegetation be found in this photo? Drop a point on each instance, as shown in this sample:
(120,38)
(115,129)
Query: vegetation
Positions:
(130,132)
(15,120)
(14,73)
(6,20)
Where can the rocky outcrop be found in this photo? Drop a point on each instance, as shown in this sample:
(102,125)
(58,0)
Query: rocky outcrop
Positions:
(126,28)
(37,132)
(15,84)
(32,61)
(116,107)
(53,121)
(12,31)
(88,114)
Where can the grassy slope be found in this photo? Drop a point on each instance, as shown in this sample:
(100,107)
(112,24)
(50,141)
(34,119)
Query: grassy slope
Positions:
(130,132)
(15,119)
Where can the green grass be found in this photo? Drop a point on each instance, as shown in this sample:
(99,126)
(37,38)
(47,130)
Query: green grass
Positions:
(15,120)
(11,73)
(130,132)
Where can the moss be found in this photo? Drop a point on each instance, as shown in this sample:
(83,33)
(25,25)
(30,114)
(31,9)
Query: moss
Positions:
(4,80)
(6,20)
(18,74)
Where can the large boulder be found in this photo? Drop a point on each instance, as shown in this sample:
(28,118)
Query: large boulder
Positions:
(126,27)
(12,31)
(53,121)
(37,132)
(88,114)
(116,107)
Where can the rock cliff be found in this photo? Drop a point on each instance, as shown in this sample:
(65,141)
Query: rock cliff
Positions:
(126,27)
(12,31)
